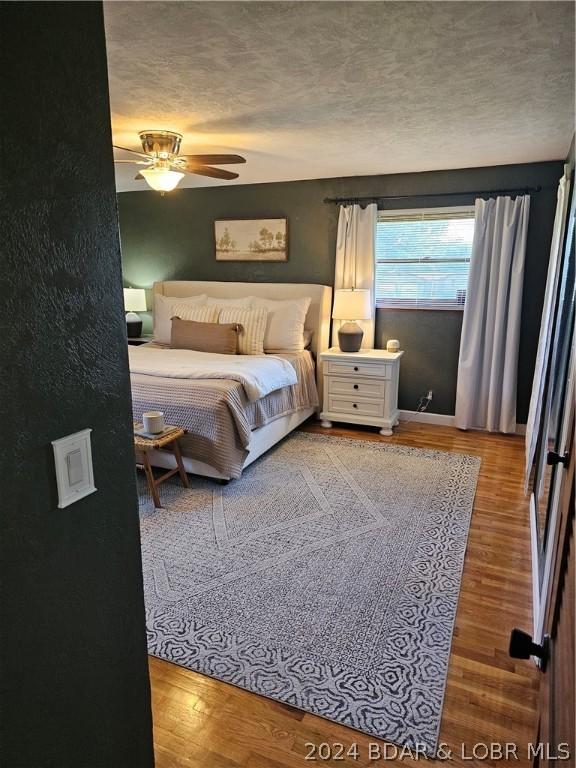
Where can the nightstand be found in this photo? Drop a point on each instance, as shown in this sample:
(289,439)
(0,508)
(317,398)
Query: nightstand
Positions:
(136,341)
(361,388)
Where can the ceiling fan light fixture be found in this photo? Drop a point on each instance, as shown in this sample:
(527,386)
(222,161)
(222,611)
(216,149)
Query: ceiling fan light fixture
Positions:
(162,179)
(165,168)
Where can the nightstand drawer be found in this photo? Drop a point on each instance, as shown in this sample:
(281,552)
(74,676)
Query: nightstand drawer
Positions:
(356,387)
(356,407)
(350,368)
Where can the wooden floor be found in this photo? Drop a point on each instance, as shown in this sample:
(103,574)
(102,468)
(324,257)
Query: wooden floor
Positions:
(489,698)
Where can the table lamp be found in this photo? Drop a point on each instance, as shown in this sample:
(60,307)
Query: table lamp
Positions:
(134,301)
(351,304)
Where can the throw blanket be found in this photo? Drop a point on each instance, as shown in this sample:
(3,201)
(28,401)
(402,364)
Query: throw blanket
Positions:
(258,374)
(217,414)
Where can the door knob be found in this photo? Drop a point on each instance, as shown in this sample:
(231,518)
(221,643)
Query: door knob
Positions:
(522,646)
(554,458)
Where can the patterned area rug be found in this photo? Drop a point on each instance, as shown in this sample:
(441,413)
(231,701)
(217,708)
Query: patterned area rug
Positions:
(326,577)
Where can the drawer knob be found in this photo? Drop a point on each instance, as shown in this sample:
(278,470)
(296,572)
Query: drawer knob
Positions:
(355,386)
(355,367)
(355,406)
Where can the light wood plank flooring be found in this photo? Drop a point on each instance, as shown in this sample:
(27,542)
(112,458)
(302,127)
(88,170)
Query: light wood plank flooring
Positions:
(204,723)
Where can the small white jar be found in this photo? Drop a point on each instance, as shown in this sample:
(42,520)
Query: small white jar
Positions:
(153,422)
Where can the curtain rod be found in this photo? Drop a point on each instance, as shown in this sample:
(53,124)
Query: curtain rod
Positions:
(378,198)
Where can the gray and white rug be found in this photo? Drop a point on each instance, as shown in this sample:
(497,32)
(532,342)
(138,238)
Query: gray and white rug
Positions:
(326,577)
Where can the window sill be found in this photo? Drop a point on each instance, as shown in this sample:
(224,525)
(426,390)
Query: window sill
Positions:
(428,308)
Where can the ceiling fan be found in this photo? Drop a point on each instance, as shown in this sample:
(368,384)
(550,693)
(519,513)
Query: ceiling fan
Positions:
(164,167)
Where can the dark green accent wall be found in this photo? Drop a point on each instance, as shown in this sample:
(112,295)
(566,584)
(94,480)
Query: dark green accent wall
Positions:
(431,343)
(73,678)
(171,237)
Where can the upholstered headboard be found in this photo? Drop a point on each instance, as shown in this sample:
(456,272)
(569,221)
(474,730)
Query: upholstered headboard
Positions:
(317,319)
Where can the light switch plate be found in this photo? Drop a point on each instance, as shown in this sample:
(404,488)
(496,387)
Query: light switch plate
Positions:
(74,473)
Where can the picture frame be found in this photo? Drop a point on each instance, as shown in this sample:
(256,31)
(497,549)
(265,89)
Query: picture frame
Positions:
(261,240)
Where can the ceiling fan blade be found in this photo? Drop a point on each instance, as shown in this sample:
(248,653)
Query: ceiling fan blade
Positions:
(205,170)
(125,149)
(213,159)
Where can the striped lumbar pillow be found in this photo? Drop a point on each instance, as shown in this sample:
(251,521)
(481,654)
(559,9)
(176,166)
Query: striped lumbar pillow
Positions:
(204,314)
(253,322)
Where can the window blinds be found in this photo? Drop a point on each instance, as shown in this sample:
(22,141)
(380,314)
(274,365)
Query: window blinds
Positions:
(423,257)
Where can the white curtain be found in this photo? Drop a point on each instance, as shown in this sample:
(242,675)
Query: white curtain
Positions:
(488,362)
(535,412)
(355,260)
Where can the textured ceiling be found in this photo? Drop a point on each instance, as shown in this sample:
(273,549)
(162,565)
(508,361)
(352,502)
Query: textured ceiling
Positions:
(318,89)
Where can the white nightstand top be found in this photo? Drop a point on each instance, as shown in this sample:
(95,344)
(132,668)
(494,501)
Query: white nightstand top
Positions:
(365,354)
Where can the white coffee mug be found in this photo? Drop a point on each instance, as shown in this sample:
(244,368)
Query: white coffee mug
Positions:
(393,345)
(153,422)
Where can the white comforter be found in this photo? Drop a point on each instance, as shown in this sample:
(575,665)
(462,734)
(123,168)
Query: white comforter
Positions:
(258,374)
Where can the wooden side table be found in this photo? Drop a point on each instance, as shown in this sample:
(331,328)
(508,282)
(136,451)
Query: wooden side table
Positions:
(143,445)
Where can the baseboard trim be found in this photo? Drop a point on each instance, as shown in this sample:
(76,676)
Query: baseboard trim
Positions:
(442,419)
(425,417)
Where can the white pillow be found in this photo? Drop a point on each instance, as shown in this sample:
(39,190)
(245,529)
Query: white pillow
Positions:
(245,301)
(164,311)
(253,322)
(285,325)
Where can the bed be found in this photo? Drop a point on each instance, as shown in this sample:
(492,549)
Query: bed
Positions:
(226,430)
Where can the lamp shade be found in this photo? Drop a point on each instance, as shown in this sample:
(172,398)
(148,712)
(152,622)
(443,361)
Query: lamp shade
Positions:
(352,304)
(162,179)
(134,299)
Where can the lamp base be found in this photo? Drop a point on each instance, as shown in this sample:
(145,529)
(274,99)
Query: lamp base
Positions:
(350,337)
(133,325)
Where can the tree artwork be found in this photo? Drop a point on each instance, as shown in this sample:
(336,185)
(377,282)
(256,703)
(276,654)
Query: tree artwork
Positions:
(251,240)
(225,243)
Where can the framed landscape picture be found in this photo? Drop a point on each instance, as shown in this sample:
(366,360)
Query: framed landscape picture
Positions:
(251,239)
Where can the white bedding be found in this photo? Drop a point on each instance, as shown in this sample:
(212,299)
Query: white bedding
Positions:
(258,374)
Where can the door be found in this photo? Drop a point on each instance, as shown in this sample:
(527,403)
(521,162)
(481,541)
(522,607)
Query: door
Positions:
(557,709)
(547,469)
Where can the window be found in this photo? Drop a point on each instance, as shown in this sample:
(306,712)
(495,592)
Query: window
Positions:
(423,257)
